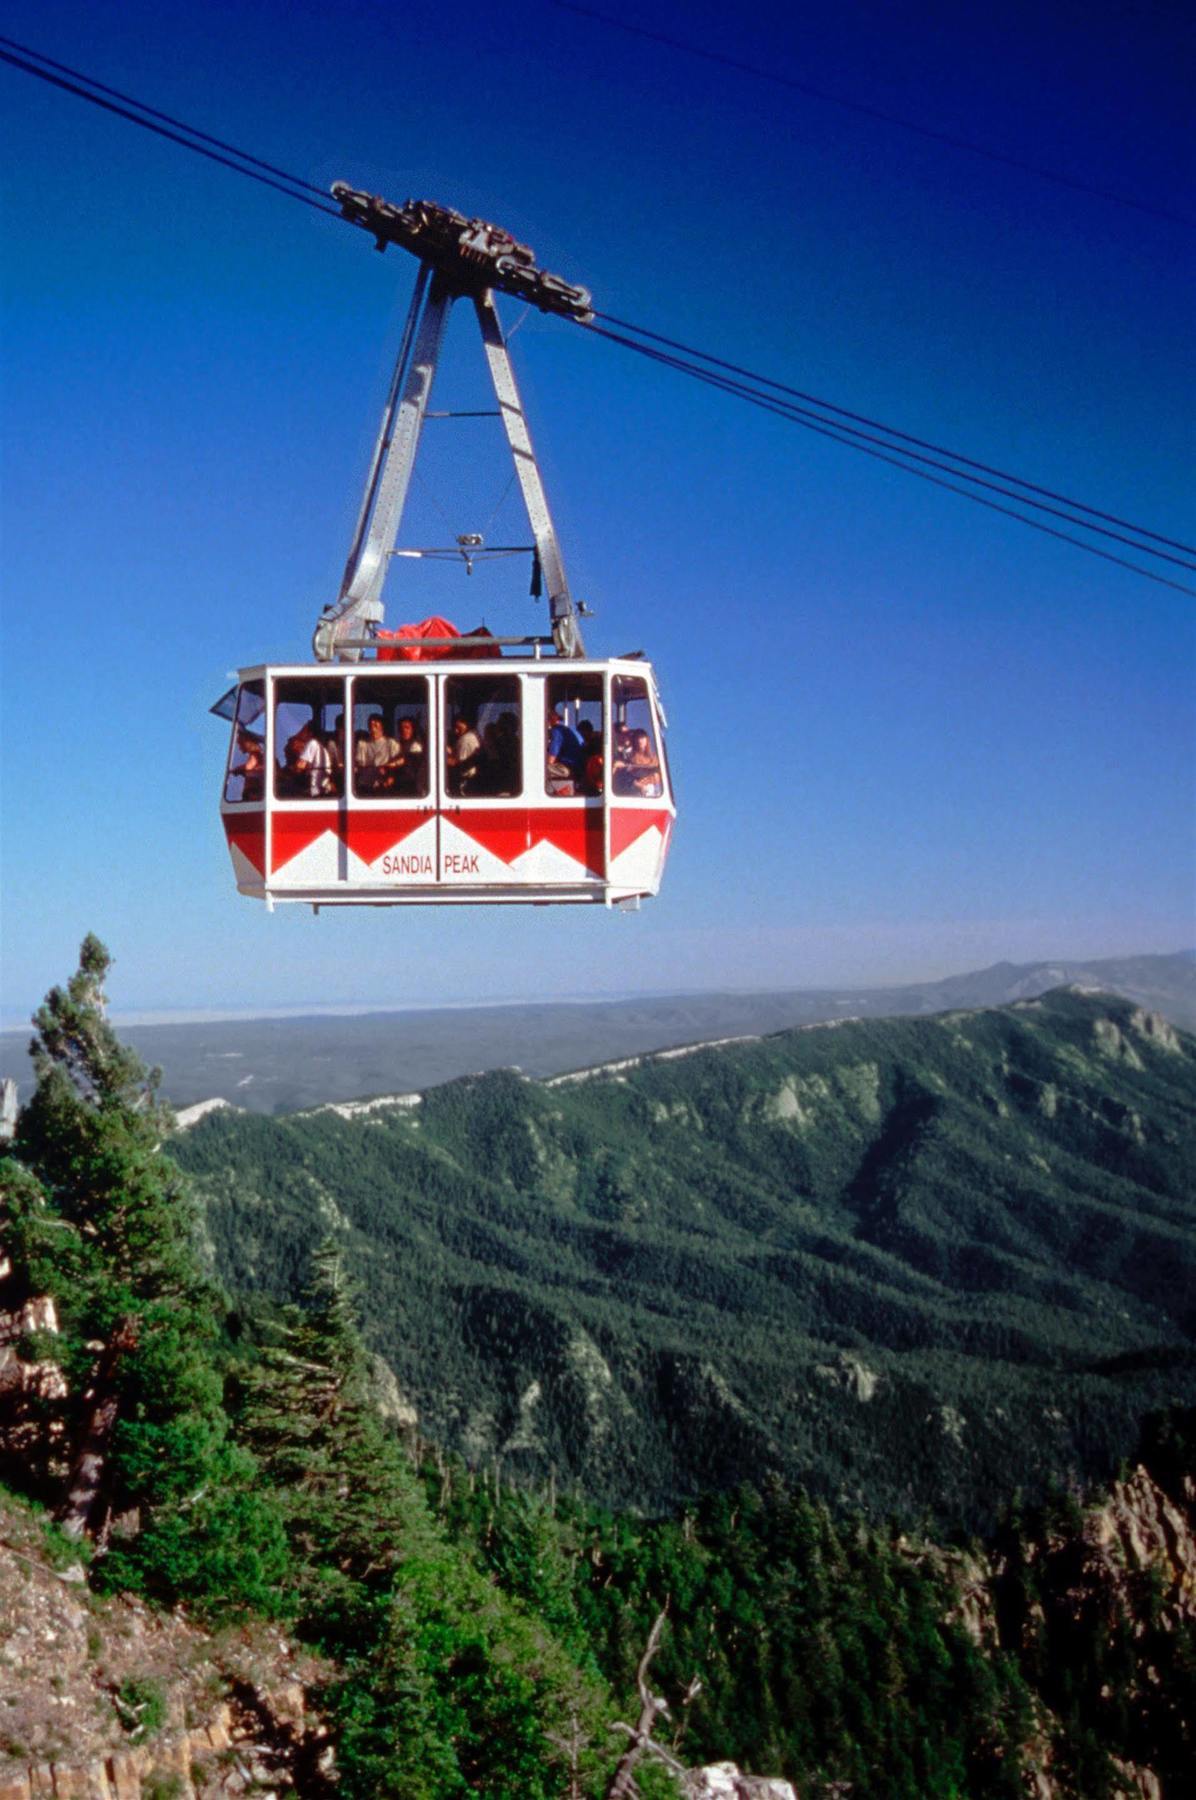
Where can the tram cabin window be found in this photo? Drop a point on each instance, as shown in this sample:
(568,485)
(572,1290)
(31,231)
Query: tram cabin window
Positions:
(309,756)
(635,754)
(573,736)
(246,778)
(483,751)
(390,739)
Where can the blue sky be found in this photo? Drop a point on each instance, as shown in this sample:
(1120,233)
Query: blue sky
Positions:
(909,737)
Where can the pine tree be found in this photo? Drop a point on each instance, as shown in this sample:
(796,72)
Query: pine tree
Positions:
(354,1504)
(448,1688)
(96,1216)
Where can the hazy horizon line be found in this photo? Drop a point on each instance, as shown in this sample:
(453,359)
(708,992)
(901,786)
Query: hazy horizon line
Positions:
(13,1020)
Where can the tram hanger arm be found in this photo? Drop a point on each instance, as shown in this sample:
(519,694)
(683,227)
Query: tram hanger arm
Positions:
(358,610)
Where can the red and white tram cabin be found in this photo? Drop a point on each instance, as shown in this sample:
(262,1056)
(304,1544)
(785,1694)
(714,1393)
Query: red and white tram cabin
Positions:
(516,828)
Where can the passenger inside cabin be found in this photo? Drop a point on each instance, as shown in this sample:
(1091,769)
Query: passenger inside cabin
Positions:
(463,754)
(253,769)
(622,776)
(375,758)
(410,761)
(331,741)
(500,773)
(566,758)
(591,746)
(645,770)
(292,778)
(564,745)
(310,767)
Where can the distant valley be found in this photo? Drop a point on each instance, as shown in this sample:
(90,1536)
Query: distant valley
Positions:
(283,1065)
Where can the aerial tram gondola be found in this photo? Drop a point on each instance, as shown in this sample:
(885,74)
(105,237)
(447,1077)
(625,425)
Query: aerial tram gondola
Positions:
(421,766)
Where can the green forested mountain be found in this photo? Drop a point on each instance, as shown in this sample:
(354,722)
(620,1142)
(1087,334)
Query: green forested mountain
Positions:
(260,1481)
(219,1478)
(911,1263)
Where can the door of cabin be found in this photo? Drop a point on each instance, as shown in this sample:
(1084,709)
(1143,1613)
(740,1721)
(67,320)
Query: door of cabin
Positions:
(517,809)
(391,823)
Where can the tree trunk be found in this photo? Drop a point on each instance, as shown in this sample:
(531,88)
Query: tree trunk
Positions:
(85,1507)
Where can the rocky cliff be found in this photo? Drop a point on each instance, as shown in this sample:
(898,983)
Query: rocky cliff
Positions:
(1097,1606)
(109,1700)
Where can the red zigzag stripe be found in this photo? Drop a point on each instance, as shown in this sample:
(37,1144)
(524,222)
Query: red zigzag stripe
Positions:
(367,834)
(506,834)
(628,825)
(577,831)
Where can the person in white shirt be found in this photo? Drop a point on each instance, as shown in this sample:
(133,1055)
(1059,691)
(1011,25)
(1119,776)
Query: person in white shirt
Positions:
(463,755)
(375,758)
(312,763)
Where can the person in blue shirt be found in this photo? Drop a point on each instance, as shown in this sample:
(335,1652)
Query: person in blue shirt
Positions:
(566,757)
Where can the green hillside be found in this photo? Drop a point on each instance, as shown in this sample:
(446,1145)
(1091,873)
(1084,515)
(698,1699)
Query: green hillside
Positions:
(911,1263)
(228,1508)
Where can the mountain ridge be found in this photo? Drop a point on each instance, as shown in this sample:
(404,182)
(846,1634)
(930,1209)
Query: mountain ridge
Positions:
(972,1237)
(287,1065)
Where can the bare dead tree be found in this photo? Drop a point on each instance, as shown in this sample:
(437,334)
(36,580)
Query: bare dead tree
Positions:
(652,1707)
(687,1699)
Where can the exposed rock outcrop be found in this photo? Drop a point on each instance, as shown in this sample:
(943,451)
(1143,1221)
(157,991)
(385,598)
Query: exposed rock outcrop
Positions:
(389,1397)
(724,1781)
(1140,1528)
(111,1700)
(8,1109)
(30,1392)
(1124,1565)
(259,1743)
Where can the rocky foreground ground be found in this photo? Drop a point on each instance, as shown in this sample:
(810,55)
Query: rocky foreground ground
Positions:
(109,1700)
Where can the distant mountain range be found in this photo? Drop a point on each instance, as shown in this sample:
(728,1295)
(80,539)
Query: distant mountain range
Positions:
(912,1263)
(281,1065)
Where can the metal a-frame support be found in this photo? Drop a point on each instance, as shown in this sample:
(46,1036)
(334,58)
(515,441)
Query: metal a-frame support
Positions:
(358,611)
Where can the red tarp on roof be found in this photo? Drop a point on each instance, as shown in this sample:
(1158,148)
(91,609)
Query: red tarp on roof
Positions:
(404,645)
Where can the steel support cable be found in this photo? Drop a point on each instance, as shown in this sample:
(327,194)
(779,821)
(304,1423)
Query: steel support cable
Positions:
(829,429)
(189,142)
(905,437)
(420,482)
(499,503)
(237,160)
(851,435)
(167,118)
(875,112)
